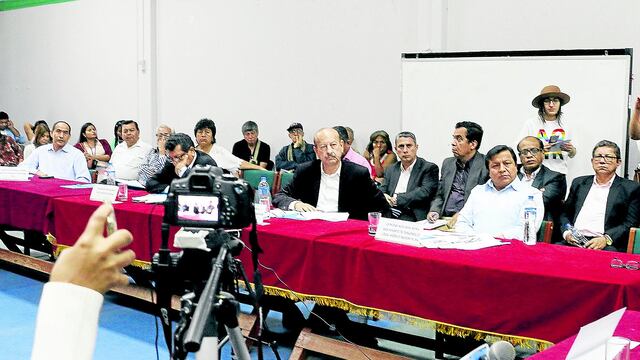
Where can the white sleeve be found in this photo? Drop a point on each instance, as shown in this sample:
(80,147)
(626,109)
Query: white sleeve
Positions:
(537,198)
(67,322)
(464,224)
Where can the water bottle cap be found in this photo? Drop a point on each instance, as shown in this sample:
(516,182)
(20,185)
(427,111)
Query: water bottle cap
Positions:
(263,178)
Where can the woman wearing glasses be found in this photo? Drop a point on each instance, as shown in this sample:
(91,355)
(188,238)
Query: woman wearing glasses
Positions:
(551,127)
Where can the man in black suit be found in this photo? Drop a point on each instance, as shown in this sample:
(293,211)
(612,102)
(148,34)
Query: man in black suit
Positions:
(460,173)
(552,184)
(605,193)
(180,162)
(330,184)
(411,183)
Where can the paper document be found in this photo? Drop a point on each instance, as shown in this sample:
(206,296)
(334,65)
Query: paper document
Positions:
(78,186)
(428,225)
(310,215)
(12,173)
(135,184)
(150,198)
(435,239)
(592,338)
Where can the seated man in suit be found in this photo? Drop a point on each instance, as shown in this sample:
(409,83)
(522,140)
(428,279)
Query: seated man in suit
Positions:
(180,162)
(495,207)
(552,184)
(411,183)
(330,184)
(460,173)
(603,206)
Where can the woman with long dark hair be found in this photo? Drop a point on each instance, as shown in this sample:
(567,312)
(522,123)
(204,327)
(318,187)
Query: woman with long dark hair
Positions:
(380,154)
(96,151)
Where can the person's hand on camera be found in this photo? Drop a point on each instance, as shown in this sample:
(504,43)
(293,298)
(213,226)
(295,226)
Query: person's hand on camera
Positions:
(95,262)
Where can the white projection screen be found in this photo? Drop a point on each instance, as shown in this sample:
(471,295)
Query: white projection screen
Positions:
(495,89)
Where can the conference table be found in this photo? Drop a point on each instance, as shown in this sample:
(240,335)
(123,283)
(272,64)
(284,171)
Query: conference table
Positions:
(519,292)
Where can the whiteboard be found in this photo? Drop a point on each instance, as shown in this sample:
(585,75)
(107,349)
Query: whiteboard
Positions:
(496,92)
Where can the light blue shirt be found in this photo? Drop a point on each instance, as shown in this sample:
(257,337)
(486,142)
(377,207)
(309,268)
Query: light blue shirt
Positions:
(19,139)
(67,163)
(499,213)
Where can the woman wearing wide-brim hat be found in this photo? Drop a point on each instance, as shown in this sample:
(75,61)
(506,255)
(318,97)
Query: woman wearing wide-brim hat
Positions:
(550,126)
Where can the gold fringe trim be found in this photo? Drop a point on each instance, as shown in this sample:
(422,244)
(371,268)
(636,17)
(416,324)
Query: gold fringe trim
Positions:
(145,265)
(441,327)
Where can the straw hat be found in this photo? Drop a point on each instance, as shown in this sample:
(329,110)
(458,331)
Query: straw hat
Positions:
(550,91)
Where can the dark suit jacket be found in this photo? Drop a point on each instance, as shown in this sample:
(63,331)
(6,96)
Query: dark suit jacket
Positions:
(622,211)
(358,194)
(478,174)
(422,187)
(554,188)
(158,182)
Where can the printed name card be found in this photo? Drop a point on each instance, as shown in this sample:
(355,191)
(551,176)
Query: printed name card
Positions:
(104,193)
(399,232)
(13,174)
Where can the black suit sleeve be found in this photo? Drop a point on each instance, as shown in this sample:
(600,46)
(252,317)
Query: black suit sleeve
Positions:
(159,181)
(569,209)
(629,205)
(424,192)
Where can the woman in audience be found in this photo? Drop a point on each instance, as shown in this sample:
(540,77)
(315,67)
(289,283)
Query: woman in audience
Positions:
(205,132)
(117,133)
(551,127)
(30,130)
(41,136)
(10,151)
(380,154)
(96,151)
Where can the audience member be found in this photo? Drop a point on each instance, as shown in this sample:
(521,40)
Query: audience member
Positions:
(251,149)
(156,158)
(41,136)
(117,133)
(130,154)
(379,154)
(552,184)
(205,132)
(182,156)
(298,152)
(58,159)
(7,128)
(603,206)
(550,127)
(30,129)
(460,173)
(496,207)
(67,320)
(330,184)
(352,141)
(10,152)
(96,151)
(349,154)
(411,183)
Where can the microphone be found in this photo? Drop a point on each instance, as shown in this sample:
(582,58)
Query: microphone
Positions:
(502,350)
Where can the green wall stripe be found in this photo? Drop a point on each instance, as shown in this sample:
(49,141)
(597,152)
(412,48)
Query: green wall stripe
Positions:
(6,5)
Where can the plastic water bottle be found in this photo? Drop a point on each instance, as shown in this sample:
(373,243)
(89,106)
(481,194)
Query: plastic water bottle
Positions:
(577,235)
(529,222)
(264,194)
(111,174)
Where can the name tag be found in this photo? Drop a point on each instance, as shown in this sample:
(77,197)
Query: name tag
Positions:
(399,232)
(103,193)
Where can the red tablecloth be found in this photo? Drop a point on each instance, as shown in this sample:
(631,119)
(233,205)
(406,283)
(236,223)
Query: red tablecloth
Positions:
(28,204)
(628,327)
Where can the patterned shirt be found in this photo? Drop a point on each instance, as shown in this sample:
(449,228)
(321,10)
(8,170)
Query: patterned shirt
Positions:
(10,152)
(153,163)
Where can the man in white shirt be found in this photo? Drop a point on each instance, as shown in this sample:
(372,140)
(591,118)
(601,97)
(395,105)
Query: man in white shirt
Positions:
(603,206)
(71,300)
(496,207)
(58,159)
(131,153)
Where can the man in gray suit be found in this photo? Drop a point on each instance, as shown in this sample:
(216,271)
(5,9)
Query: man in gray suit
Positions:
(460,173)
(552,184)
(411,183)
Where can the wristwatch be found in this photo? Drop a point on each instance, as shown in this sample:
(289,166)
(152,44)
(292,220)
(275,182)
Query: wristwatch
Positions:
(609,240)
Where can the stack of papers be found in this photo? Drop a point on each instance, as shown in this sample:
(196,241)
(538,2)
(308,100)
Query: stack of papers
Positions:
(310,215)
(435,239)
(150,198)
(12,173)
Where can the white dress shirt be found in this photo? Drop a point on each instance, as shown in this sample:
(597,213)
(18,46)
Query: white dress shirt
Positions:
(127,160)
(499,213)
(67,163)
(67,322)
(403,180)
(224,158)
(590,219)
(329,190)
(526,179)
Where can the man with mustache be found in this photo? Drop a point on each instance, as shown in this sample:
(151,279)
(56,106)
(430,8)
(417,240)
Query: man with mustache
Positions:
(602,206)
(330,184)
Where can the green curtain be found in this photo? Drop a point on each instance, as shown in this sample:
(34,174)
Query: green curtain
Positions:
(6,5)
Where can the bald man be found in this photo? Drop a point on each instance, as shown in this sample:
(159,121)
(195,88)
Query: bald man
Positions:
(330,184)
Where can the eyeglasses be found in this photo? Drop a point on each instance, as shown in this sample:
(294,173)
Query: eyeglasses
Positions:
(178,158)
(607,158)
(551,99)
(630,265)
(325,147)
(162,135)
(532,151)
